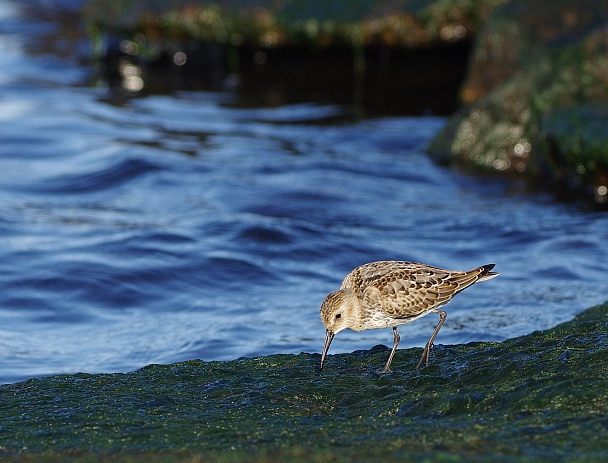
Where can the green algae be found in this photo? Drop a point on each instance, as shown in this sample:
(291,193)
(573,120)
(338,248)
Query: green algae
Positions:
(533,63)
(576,140)
(404,56)
(538,396)
(409,23)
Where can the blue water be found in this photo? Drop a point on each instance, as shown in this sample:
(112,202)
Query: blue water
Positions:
(186,226)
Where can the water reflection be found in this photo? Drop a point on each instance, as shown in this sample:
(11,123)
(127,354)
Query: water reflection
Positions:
(131,76)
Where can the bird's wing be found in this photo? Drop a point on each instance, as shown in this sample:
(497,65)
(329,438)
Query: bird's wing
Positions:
(363,276)
(404,289)
(407,292)
(404,298)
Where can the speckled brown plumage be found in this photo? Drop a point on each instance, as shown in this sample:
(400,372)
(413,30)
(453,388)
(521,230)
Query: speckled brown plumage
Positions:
(387,294)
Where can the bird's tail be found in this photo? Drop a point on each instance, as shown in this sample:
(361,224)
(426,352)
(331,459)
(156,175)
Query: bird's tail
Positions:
(485,273)
(466,279)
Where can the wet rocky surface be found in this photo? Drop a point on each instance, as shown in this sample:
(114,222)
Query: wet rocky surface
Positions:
(536,397)
(382,57)
(535,68)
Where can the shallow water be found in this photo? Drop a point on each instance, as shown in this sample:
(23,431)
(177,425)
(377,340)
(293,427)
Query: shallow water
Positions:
(173,227)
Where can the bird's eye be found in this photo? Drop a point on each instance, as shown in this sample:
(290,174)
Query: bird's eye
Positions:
(338,316)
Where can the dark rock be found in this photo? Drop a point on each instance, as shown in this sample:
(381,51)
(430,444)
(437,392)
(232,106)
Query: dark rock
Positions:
(523,398)
(575,140)
(535,66)
(379,57)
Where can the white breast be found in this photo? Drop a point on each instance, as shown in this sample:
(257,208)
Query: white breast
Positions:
(377,320)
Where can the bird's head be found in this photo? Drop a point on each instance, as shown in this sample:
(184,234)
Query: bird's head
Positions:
(338,312)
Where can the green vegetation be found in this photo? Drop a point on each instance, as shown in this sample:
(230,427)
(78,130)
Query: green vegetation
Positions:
(407,23)
(535,67)
(536,397)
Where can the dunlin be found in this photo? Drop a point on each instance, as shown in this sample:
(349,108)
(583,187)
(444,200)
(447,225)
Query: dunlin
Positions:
(387,294)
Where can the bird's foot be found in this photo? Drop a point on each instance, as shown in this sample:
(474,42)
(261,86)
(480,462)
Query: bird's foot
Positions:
(426,353)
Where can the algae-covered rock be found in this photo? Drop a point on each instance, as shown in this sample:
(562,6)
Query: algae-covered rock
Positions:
(376,56)
(536,397)
(277,24)
(516,35)
(532,59)
(576,141)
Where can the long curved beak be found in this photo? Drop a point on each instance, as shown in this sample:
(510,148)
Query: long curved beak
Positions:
(329,336)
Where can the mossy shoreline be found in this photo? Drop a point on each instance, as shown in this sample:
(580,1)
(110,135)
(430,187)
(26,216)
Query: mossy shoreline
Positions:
(375,57)
(532,398)
(537,98)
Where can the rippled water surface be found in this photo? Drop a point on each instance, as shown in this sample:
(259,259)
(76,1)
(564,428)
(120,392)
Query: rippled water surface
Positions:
(186,226)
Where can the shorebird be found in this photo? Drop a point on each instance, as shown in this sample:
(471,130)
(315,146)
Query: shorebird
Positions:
(387,294)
